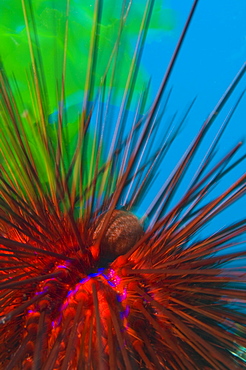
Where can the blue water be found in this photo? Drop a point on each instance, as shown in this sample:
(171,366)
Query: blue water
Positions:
(213,52)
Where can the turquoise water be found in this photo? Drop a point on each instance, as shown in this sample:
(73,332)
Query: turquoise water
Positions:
(213,52)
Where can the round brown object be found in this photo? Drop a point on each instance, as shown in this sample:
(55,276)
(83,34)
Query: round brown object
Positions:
(123,231)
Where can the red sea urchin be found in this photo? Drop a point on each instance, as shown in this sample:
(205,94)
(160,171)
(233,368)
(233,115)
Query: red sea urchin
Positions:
(84,284)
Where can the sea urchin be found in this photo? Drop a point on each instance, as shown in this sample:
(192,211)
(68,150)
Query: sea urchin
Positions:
(84,283)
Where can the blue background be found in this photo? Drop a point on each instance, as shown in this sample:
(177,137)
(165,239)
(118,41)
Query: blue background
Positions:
(213,52)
